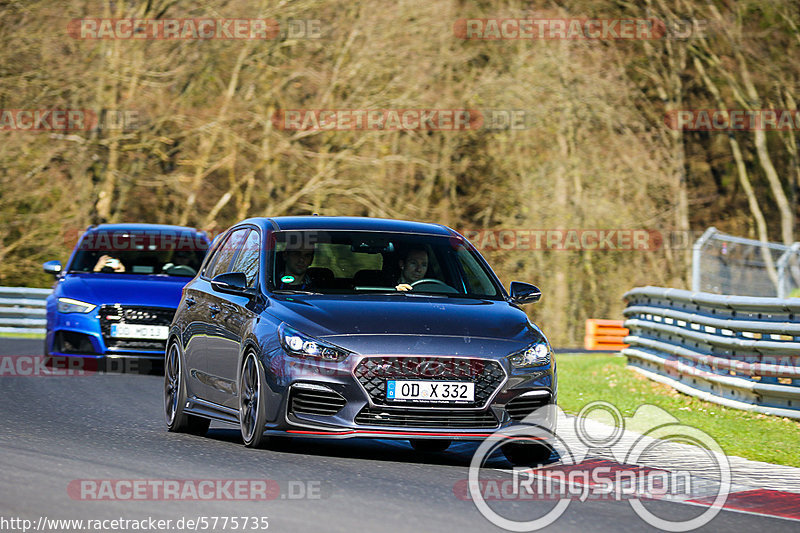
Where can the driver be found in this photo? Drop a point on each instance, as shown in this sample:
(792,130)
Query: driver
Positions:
(180,258)
(413,267)
(107,263)
(295,275)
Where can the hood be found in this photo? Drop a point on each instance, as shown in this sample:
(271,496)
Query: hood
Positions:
(127,289)
(392,315)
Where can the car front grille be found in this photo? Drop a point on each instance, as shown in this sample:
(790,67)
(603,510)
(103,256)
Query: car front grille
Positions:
(522,406)
(373,372)
(134,314)
(426,418)
(315,402)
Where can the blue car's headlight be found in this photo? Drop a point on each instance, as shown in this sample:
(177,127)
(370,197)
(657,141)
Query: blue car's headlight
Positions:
(68,305)
(537,354)
(301,345)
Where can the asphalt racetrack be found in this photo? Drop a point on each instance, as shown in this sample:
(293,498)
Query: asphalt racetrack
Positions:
(56,431)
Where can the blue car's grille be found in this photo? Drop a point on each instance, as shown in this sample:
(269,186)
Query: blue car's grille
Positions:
(134,314)
(373,372)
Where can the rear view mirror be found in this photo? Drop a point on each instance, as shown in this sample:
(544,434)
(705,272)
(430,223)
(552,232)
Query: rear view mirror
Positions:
(231,282)
(524,293)
(52,267)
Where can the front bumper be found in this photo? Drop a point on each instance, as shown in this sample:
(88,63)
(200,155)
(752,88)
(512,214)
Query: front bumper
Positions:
(87,337)
(324,400)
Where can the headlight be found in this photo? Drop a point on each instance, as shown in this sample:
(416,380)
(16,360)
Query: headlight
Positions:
(68,305)
(537,354)
(301,345)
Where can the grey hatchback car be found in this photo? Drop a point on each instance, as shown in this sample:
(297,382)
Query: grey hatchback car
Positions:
(342,327)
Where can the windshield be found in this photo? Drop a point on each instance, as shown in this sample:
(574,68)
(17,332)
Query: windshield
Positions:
(344,262)
(140,252)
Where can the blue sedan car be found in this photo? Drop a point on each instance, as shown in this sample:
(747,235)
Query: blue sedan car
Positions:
(338,327)
(115,299)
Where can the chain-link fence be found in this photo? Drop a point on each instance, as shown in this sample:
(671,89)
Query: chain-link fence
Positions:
(724,264)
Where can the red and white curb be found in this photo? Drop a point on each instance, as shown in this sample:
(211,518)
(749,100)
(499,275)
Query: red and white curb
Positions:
(740,498)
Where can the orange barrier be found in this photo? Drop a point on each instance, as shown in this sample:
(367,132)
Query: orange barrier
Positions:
(604,334)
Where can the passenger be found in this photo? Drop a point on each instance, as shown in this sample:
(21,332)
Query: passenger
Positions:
(413,267)
(295,274)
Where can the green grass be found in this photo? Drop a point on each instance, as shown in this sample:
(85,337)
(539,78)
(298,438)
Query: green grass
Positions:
(22,335)
(586,378)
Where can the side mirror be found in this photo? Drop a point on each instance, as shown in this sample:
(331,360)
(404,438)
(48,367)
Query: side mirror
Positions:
(524,293)
(52,267)
(231,282)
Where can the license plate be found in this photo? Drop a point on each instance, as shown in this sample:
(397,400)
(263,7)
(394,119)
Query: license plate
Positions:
(135,331)
(430,391)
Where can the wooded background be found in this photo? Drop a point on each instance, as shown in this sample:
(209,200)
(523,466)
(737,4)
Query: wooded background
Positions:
(598,155)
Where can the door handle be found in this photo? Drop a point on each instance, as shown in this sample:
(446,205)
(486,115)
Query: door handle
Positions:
(190,301)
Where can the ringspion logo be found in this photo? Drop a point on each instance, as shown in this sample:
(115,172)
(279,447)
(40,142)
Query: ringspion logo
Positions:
(622,474)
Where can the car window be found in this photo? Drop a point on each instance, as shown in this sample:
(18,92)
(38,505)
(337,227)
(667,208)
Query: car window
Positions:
(342,262)
(247,260)
(141,252)
(474,275)
(221,261)
(347,262)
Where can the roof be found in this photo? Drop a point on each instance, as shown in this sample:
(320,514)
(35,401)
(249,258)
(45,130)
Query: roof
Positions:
(353,224)
(141,227)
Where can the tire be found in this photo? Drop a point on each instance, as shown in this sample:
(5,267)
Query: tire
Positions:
(527,454)
(175,396)
(252,412)
(430,445)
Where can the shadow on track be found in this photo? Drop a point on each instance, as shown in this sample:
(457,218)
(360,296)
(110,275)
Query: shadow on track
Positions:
(393,450)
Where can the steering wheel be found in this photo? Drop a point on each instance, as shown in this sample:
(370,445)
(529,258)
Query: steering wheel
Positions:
(437,284)
(180,270)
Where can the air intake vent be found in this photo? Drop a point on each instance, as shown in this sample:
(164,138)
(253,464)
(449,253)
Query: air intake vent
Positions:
(314,401)
(523,405)
(426,418)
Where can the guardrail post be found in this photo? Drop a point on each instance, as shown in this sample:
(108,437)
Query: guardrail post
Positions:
(783,263)
(697,254)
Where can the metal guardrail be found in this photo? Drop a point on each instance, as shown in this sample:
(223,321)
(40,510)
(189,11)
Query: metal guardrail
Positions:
(22,309)
(738,351)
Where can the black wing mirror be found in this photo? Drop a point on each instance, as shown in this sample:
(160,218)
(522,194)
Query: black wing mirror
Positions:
(524,293)
(52,267)
(231,282)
